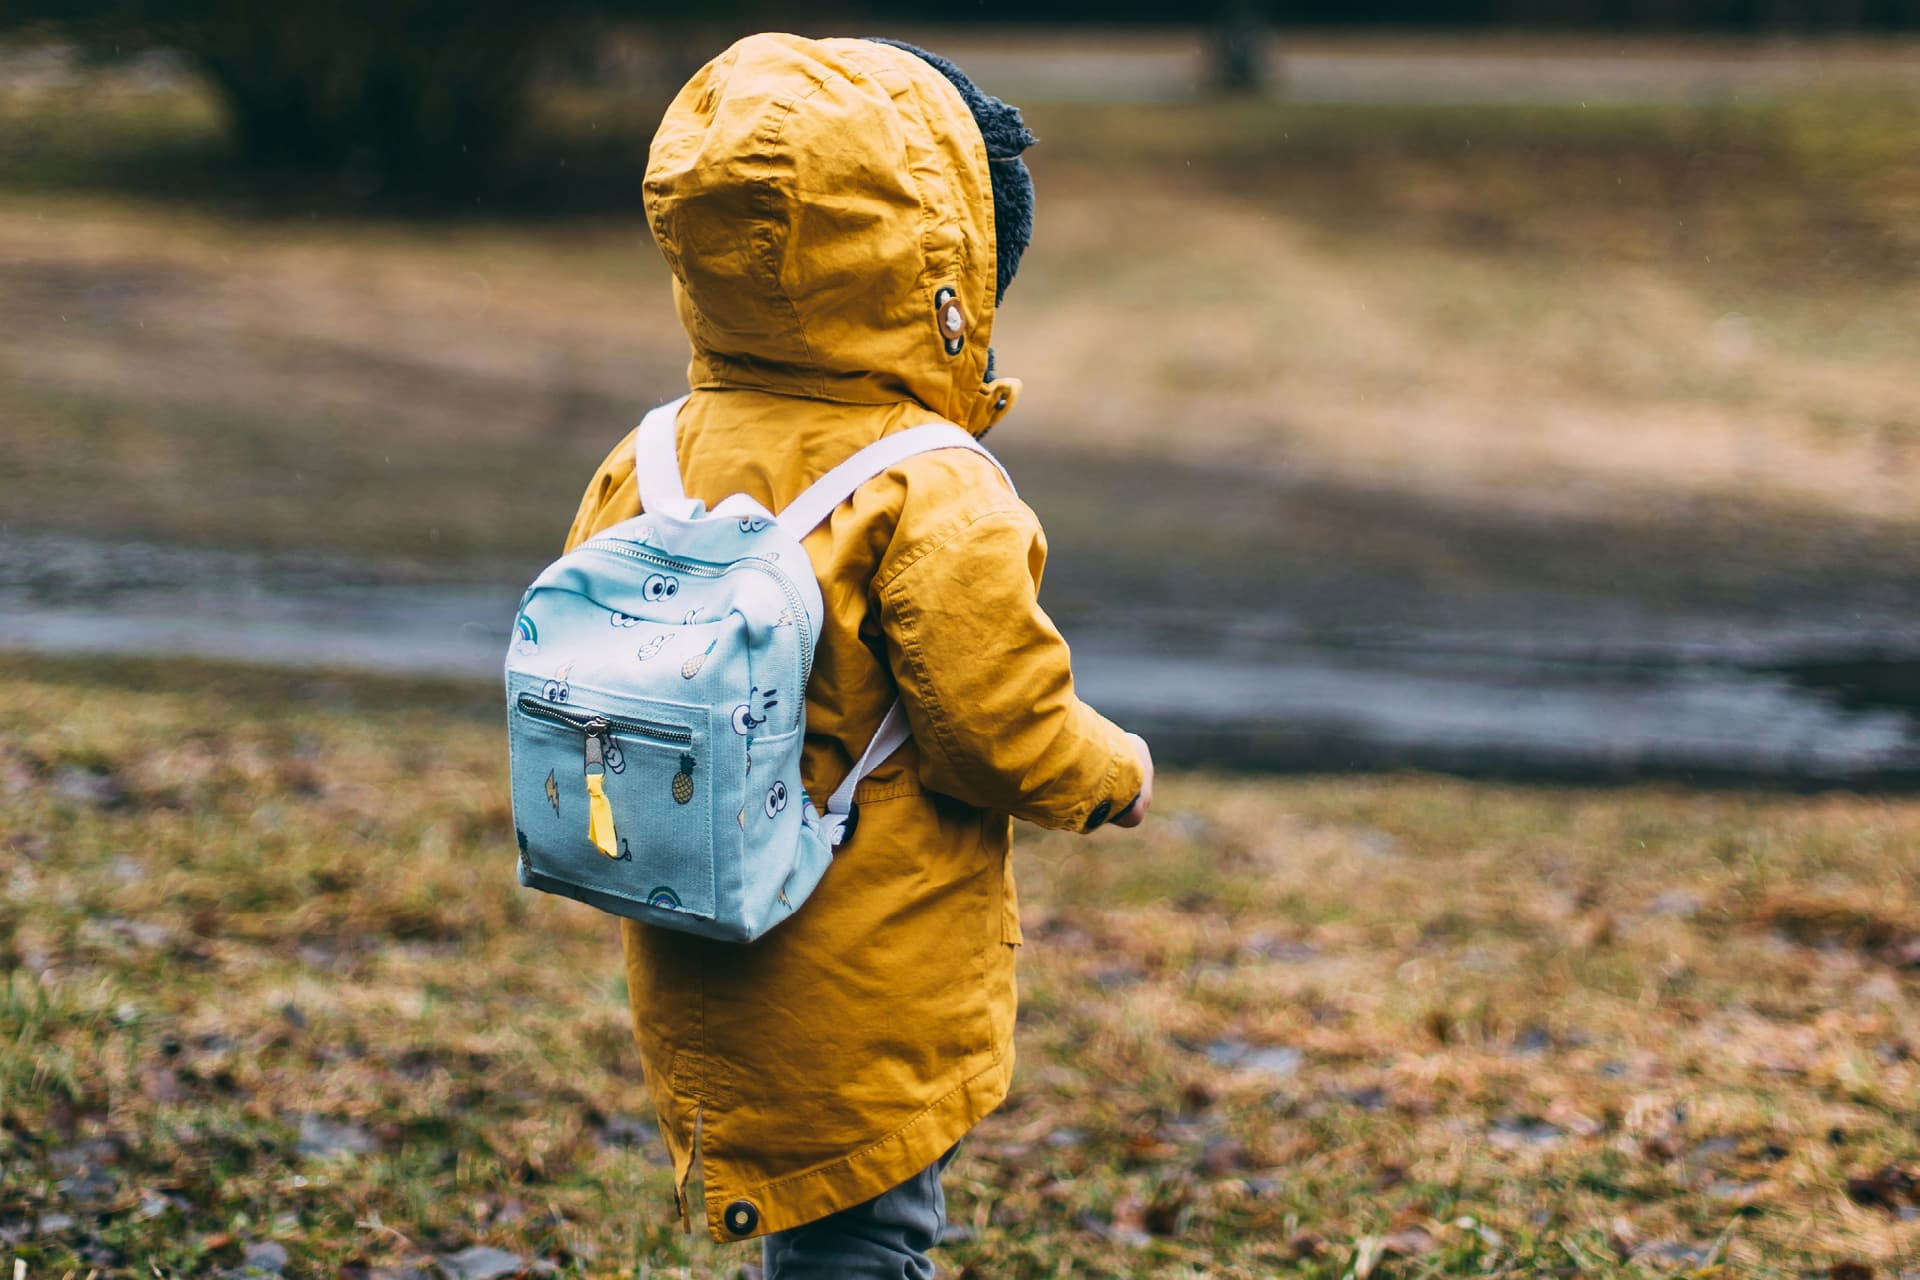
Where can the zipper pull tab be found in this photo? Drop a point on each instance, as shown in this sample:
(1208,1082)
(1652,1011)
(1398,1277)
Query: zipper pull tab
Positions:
(599,808)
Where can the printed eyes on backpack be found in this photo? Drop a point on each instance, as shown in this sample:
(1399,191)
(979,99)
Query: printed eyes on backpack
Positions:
(950,320)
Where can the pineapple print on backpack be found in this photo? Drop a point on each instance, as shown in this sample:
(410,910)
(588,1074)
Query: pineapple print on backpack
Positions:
(683,781)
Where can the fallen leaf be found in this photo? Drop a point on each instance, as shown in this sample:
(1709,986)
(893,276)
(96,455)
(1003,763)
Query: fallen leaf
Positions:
(1510,1133)
(269,1256)
(1860,920)
(1676,902)
(1129,1225)
(1366,1256)
(1148,1147)
(625,1130)
(1659,1146)
(1222,1156)
(1596,929)
(322,1137)
(1564,1113)
(162,1084)
(1117,976)
(1278,1061)
(1488,1236)
(1738,1192)
(1670,1251)
(1533,1040)
(95,788)
(1413,1242)
(1885,1189)
(1306,1245)
(1371,1098)
(1167,1214)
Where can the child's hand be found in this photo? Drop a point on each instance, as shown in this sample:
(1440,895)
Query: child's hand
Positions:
(1137,812)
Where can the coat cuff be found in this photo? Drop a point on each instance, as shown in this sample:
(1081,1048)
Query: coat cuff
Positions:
(1118,789)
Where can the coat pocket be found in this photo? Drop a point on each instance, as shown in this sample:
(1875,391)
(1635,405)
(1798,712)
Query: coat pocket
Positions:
(611,820)
(1009,904)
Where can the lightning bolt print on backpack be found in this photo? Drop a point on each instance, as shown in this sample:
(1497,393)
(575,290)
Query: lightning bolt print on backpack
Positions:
(656,701)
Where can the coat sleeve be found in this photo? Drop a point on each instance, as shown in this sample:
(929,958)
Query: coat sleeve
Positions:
(612,495)
(987,682)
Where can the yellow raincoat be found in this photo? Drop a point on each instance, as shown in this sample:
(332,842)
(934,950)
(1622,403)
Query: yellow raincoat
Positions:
(813,198)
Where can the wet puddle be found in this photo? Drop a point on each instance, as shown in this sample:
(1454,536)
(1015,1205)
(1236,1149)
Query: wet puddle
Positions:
(1697,701)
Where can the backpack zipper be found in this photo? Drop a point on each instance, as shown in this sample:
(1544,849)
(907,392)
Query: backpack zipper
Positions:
(697,568)
(593,724)
(799,611)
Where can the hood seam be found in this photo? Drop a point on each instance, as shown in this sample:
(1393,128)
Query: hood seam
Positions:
(768,186)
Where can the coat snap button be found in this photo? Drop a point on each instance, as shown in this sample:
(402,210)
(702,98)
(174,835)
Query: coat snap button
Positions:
(950,320)
(741,1217)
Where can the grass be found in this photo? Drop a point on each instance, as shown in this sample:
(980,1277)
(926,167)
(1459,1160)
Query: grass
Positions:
(1683,327)
(268,980)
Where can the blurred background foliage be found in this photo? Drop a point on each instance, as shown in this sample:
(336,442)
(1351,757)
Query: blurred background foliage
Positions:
(409,92)
(421,97)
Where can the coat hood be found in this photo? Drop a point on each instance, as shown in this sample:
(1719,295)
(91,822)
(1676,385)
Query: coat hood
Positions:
(827,211)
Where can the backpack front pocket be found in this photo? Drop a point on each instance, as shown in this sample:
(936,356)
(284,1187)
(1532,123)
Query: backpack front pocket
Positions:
(614,810)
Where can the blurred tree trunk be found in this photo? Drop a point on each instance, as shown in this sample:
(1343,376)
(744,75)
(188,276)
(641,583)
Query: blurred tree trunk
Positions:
(407,92)
(413,93)
(1783,17)
(1240,49)
(1843,15)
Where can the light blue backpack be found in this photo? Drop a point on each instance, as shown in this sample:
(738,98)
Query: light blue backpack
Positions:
(656,698)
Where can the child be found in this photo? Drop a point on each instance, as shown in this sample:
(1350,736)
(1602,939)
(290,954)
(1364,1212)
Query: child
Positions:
(829,210)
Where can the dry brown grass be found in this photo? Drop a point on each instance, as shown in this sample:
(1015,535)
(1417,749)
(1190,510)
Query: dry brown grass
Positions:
(1547,310)
(268,977)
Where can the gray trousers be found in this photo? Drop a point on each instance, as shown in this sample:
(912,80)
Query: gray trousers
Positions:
(886,1238)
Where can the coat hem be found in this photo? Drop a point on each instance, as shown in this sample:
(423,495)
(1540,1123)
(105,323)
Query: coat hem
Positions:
(876,1168)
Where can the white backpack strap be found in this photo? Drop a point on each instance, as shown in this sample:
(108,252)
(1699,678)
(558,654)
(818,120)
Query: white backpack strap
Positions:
(815,505)
(839,819)
(656,464)
(835,487)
